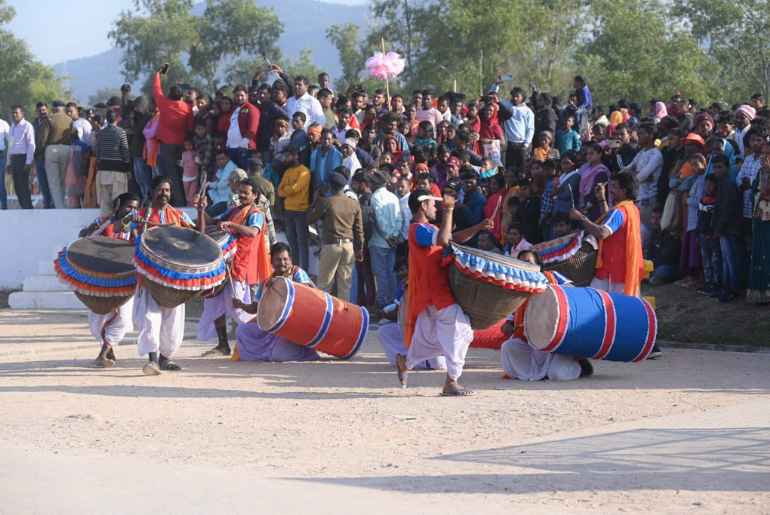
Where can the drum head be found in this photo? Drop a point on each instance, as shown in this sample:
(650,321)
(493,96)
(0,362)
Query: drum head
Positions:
(180,246)
(271,305)
(541,319)
(218,236)
(103,255)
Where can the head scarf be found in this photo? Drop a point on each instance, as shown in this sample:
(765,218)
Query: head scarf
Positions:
(704,116)
(747,110)
(660,111)
(616,118)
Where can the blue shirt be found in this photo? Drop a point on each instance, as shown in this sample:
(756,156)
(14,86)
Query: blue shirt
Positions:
(567,141)
(220,191)
(475,202)
(323,164)
(386,208)
(425,235)
(615,220)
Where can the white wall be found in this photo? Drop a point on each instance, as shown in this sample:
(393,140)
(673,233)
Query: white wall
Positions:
(28,236)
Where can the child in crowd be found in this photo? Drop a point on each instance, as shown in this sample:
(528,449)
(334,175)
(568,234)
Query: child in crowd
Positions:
(204,149)
(543,147)
(514,241)
(567,138)
(726,225)
(190,171)
(488,242)
(709,241)
(424,140)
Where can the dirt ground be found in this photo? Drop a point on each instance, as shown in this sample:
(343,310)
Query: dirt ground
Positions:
(686,433)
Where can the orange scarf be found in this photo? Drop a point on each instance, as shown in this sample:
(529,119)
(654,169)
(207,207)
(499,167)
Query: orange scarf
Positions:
(264,268)
(634,260)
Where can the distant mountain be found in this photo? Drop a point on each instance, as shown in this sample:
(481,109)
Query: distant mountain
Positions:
(304,26)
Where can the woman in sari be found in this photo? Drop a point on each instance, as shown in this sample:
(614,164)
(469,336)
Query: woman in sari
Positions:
(759,275)
(592,173)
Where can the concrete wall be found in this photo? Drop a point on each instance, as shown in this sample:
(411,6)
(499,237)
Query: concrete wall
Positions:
(33,235)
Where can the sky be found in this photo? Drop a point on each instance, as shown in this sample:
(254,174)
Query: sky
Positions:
(55,35)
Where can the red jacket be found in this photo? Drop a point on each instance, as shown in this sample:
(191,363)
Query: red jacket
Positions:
(176,116)
(248,123)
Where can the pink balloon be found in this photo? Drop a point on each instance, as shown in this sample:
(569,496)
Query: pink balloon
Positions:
(385,66)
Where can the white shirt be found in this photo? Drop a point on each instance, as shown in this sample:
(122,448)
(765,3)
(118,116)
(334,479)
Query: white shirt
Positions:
(309,105)
(22,140)
(646,167)
(84,129)
(234,137)
(5,133)
(738,136)
(352,163)
(406,215)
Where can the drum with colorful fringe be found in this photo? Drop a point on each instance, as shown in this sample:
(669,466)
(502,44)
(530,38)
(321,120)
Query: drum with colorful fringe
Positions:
(178,263)
(573,256)
(312,318)
(229,244)
(591,323)
(490,286)
(100,270)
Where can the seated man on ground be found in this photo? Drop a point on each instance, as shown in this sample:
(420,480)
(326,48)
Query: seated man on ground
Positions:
(254,344)
(521,361)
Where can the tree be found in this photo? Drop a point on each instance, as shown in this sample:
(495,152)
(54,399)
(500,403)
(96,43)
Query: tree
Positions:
(24,80)
(242,70)
(635,53)
(166,31)
(351,50)
(103,95)
(736,35)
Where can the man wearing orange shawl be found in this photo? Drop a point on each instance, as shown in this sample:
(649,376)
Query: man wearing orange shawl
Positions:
(249,267)
(619,265)
(435,324)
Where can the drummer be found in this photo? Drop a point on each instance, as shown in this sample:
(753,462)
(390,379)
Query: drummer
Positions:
(110,329)
(161,330)
(250,266)
(436,325)
(521,361)
(254,344)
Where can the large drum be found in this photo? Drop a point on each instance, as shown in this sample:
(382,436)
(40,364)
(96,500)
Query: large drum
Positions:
(591,323)
(178,263)
(312,318)
(100,270)
(491,286)
(228,244)
(573,256)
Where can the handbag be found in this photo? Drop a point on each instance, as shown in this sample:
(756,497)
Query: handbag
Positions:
(671,216)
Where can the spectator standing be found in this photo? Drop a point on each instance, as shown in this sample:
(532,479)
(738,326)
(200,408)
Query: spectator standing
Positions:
(5,135)
(134,125)
(567,138)
(428,113)
(386,235)
(21,154)
(518,121)
(756,138)
(219,189)
(57,152)
(324,159)
(646,168)
(294,189)
(42,126)
(303,101)
(342,236)
(365,286)
(112,163)
(243,130)
(176,118)
(759,275)
(709,241)
(727,213)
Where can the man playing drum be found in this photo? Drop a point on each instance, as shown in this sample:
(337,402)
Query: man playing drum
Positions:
(620,264)
(110,329)
(254,344)
(250,266)
(160,329)
(435,325)
(521,361)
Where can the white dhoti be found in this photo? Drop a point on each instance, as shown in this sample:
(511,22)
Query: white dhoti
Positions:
(112,327)
(222,304)
(607,285)
(521,361)
(392,340)
(160,329)
(446,332)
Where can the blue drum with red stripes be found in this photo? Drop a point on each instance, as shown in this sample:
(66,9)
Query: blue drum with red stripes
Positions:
(591,323)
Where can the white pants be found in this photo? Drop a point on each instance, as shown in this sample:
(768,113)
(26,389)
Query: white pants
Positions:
(160,329)
(112,327)
(607,285)
(392,340)
(445,332)
(222,304)
(521,361)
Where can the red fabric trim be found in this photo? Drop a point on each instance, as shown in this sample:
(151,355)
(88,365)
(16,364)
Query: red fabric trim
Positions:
(652,327)
(610,325)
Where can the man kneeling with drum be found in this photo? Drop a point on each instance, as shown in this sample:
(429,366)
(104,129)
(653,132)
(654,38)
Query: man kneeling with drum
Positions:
(435,324)
(250,266)
(521,361)
(109,329)
(254,344)
(161,329)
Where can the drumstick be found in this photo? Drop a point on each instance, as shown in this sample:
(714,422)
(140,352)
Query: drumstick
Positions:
(571,195)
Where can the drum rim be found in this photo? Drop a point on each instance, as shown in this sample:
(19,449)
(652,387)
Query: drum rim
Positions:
(142,242)
(288,303)
(123,245)
(531,308)
(523,265)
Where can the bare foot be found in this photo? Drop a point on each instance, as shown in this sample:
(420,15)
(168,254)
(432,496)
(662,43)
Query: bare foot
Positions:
(151,369)
(453,389)
(102,361)
(219,350)
(402,369)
